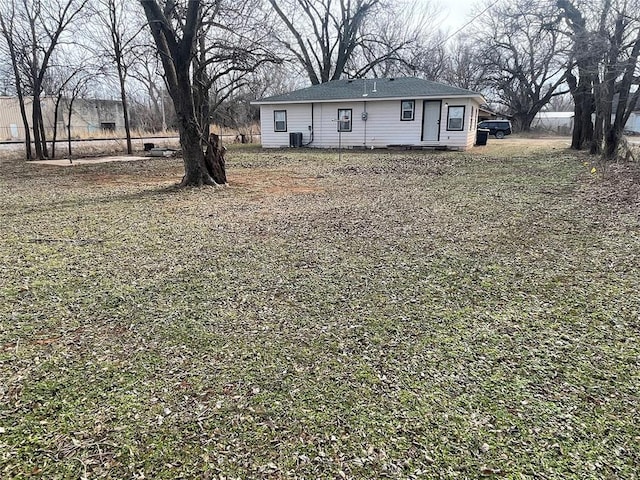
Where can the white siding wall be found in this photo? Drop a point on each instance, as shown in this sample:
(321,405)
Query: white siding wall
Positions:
(383,126)
(298,120)
(460,139)
(472,111)
(326,125)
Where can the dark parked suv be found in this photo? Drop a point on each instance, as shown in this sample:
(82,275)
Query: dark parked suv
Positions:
(499,128)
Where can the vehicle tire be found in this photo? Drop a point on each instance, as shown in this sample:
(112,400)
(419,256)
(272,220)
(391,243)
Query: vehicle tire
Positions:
(500,134)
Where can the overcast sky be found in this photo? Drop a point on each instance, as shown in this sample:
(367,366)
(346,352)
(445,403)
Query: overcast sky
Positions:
(457,12)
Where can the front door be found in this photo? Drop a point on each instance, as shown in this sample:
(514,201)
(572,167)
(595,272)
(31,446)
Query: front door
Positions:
(431,121)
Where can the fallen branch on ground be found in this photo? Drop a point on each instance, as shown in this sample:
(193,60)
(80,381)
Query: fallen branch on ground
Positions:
(78,241)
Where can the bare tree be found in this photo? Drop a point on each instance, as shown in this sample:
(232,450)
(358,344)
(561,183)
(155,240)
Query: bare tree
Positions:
(119,28)
(429,57)
(207,49)
(175,28)
(62,80)
(466,67)
(8,23)
(561,103)
(267,81)
(150,104)
(77,87)
(322,35)
(68,69)
(525,59)
(38,28)
(606,50)
(236,110)
(584,62)
(229,50)
(401,38)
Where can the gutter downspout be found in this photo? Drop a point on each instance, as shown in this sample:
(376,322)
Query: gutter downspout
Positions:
(365,123)
(310,129)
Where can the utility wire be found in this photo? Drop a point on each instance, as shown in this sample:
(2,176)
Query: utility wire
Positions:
(468,23)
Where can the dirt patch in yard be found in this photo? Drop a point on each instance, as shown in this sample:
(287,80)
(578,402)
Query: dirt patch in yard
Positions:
(274,182)
(255,181)
(155,171)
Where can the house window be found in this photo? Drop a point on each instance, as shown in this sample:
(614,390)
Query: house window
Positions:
(280,120)
(344,120)
(407,110)
(455,118)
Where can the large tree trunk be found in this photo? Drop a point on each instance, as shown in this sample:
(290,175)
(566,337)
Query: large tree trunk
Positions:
(196,172)
(200,168)
(585,115)
(523,120)
(177,56)
(581,91)
(39,134)
(611,142)
(577,111)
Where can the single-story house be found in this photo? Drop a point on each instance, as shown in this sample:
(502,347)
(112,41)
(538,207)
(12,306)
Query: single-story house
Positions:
(372,113)
(88,117)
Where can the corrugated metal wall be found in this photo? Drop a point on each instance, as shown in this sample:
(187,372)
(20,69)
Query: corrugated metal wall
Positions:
(88,117)
(11,127)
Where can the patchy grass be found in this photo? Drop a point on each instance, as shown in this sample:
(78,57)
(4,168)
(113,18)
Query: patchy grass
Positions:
(393,315)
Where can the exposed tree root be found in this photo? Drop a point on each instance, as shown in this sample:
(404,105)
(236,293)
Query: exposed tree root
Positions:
(626,152)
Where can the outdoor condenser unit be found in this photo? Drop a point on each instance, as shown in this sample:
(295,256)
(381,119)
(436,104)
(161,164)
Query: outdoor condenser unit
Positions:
(295,139)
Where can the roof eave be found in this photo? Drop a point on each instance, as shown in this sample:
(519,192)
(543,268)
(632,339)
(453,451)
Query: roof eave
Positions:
(366,99)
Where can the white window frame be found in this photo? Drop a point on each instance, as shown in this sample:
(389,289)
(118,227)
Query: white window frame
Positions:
(411,110)
(276,121)
(345,119)
(452,109)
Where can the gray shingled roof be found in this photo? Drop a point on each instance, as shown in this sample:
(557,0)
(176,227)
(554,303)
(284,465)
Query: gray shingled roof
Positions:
(407,87)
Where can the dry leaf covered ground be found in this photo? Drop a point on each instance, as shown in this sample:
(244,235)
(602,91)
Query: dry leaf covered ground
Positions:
(389,315)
